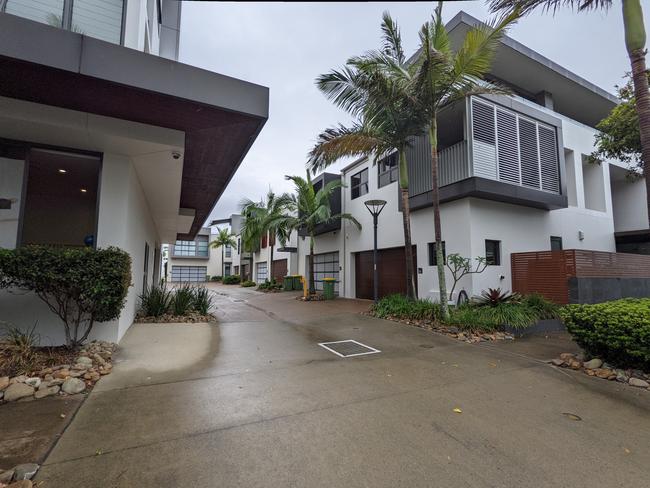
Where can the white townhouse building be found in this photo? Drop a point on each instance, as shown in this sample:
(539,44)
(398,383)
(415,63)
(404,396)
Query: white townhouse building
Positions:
(514,177)
(195,261)
(285,257)
(107,140)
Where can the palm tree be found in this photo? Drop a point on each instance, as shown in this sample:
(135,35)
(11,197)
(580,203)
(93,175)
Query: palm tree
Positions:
(374,87)
(266,218)
(311,208)
(224,239)
(635,40)
(443,76)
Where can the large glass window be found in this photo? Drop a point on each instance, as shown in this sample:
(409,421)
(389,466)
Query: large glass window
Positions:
(359,184)
(60,206)
(388,170)
(11,187)
(101,19)
(196,248)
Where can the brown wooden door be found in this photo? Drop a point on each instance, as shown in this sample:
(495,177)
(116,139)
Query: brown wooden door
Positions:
(279,269)
(391,272)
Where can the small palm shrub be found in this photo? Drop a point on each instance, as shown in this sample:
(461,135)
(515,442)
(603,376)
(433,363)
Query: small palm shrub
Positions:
(400,307)
(202,300)
(155,301)
(494,296)
(231,280)
(183,299)
(247,283)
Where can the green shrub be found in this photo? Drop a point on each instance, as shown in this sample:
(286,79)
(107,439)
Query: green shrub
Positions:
(183,299)
(270,285)
(494,296)
(247,283)
(490,318)
(202,300)
(80,285)
(155,301)
(216,278)
(401,307)
(231,280)
(545,309)
(616,331)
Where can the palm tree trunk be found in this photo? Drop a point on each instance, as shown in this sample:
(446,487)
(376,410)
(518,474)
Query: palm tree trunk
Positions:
(635,39)
(271,259)
(312,287)
(406,221)
(223,264)
(442,285)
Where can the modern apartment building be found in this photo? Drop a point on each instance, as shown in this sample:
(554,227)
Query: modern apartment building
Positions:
(195,261)
(514,177)
(107,140)
(256,265)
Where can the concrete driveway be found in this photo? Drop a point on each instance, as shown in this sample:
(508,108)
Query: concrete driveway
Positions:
(255,402)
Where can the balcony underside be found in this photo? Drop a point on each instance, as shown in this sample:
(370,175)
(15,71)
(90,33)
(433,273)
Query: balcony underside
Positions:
(497,191)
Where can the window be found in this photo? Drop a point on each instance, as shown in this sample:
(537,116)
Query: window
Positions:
(228,251)
(59,203)
(359,184)
(388,170)
(196,248)
(101,19)
(146,267)
(493,252)
(556,243)
(432,253)
(227,269)
(236,270)
(238,246)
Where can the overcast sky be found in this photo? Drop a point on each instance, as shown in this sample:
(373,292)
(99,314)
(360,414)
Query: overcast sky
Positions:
(284,46)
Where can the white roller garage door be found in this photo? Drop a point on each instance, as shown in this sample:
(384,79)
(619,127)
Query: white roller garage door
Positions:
(326,266)
(189,273)
(262,272)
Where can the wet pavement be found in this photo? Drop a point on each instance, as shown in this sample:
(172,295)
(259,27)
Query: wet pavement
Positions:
(255,402)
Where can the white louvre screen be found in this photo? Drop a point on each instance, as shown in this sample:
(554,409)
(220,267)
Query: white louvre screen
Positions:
(548,159)
(508,147)
(484,147)
(528,153)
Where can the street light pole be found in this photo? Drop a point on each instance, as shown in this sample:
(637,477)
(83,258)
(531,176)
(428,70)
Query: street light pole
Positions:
(375,207)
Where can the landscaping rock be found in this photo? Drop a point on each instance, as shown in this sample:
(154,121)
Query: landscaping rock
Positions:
(72,386)
(6,476)
(4,382)
(47,391)
(99,359)
(567,357)
(639,383)
(604,373)
(557,362)
(2,395)
(18,379)
(62,373)
(85,360)
(21,484)
(25,471)
(55,382)
(593,364)
(16,391)
(575,364)
(34,382)
(621,376)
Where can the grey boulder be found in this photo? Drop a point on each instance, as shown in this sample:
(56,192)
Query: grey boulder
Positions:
(16,391)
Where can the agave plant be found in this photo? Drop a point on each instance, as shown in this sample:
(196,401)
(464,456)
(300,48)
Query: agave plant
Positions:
(494,297)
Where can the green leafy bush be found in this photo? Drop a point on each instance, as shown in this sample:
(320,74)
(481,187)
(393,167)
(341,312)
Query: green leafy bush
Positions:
(183,299)
(490,318)
(617,331)
(545,309)
(270,285)
(216,278)
(247,283)
(231,280)
(155,301)
(401,307)
(202,300)
(80,285)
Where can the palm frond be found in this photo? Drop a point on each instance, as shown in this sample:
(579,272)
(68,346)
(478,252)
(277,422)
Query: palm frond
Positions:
(344,88)
(392,40)
(553,6)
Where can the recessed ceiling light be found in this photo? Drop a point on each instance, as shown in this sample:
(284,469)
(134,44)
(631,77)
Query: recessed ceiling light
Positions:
(83,190)
(62,171)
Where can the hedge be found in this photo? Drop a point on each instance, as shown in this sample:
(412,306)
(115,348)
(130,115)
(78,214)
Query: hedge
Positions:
(80,285)
(616,331)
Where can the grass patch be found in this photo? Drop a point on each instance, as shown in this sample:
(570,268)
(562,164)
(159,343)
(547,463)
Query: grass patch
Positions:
(403,308)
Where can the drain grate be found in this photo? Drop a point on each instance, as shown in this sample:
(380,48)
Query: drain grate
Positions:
(348,348)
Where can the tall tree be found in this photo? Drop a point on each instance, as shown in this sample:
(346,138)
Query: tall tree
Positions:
(311,208)
(224,239)
(443,76)
(635,41)
(267,218)
(375,89)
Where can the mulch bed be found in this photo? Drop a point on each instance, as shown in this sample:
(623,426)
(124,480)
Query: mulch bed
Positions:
(12,363)
(191,318)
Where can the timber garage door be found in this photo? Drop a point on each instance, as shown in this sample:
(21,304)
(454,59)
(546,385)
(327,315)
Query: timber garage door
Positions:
(391,272)
(279,269)
(326,266)
(189,273)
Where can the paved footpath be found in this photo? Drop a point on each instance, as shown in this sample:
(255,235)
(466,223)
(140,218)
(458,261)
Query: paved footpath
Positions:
(255,402)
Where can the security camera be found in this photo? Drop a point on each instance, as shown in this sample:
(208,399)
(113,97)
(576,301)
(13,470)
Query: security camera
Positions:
(176,155)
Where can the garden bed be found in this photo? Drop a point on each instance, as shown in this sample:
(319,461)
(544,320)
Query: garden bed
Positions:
(184,304)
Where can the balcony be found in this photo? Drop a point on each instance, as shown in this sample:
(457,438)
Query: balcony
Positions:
(496,149)
(101,19)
